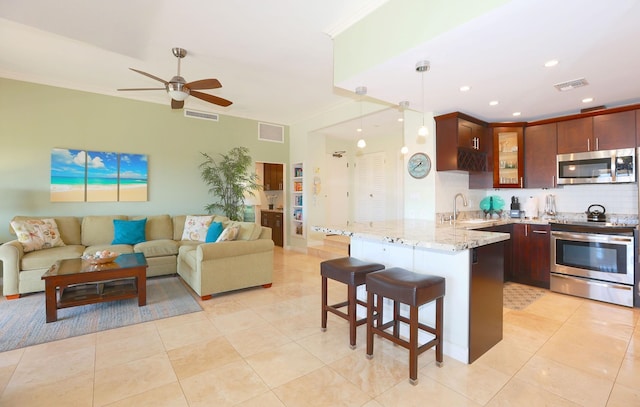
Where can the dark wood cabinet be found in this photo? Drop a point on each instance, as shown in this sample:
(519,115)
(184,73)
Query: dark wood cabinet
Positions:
(531,254)
(462,143)
(508,153)
(540,156)
(637,128)
(614,130)
(574,136)
(273,220)
(273,177)
(600,132)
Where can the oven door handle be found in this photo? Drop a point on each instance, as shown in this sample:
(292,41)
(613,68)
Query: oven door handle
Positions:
(589,237)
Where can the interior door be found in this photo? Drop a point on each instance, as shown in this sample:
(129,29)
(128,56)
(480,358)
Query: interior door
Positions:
(370,181)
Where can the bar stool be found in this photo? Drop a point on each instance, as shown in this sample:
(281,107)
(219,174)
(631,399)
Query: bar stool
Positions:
(352,272)
(413,289)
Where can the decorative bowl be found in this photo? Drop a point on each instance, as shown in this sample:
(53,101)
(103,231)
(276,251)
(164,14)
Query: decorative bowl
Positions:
(100,260)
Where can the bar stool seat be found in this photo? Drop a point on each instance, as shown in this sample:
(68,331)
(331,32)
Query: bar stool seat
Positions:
(352,272)
(413,289)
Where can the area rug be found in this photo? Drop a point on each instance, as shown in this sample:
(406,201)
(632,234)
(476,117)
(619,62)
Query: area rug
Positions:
(519,296)
(22,321)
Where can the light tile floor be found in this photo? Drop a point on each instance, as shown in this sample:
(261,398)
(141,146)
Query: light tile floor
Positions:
(263,347)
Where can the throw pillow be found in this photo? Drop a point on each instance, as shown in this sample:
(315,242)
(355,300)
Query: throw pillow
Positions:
(196,227)
(37,234)
(129,231)
(229,234)
(214,232)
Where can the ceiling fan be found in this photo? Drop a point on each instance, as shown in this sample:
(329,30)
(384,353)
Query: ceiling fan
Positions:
(179,89)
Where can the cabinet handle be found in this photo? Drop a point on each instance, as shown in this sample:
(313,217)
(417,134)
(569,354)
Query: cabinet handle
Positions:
(521,182)
(588,145)
(526,230)
(553,180)
(541,232)
(597,144)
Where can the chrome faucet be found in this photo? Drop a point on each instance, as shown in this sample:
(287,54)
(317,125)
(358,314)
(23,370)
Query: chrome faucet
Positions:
(455,199)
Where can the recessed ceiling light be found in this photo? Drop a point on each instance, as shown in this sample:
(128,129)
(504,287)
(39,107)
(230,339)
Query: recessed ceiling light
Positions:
(359,130)
(517,113)
(400,119)
(493,103)
(465,88)
(550,63)
(587,100)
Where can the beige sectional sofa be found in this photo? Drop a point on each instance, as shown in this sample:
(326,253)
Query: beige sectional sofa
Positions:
(209,268)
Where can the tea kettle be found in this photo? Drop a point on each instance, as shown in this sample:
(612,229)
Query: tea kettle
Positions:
(596,215)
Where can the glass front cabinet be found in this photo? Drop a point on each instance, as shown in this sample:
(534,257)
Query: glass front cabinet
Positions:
(508,155)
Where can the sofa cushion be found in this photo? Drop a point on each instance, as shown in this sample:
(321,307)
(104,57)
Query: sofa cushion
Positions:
(157,248)
(118,248)
(129,231)
(98,230)
(248,231)
(195,227)
(188,254)
(68,226)
(158,226)
(214,232)
(43,259)
(37,234)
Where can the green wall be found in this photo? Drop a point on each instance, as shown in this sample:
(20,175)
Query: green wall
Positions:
(34,119)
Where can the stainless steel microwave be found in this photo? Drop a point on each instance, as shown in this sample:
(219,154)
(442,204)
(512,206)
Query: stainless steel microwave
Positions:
(597,167)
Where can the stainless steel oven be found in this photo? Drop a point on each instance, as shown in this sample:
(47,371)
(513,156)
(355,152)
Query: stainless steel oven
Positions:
(594,260)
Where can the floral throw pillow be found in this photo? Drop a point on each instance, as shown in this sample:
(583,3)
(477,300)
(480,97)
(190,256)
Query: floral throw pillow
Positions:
(196,227)
(230,233)
(37,234)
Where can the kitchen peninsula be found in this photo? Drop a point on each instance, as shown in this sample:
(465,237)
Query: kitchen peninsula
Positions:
(472,262)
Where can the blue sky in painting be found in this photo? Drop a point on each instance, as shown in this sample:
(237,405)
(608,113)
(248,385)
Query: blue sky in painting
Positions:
(67,162)
(102,164)
(133,166)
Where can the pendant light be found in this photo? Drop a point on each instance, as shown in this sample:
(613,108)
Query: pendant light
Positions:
(361,91)
(403,105)
(422,67)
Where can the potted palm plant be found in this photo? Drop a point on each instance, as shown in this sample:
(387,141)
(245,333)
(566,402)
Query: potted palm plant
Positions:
(228,180)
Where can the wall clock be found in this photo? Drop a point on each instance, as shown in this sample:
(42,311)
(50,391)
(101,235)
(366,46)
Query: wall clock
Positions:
(419,165)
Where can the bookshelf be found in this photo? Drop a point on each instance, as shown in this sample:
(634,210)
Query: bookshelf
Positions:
(297,204)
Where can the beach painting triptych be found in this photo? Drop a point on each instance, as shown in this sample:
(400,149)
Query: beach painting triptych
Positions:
(96,176)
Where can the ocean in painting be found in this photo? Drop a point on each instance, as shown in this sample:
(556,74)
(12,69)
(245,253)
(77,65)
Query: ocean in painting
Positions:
(66,183)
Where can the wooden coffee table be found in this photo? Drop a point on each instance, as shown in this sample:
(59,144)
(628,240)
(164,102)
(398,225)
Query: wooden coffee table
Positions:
(73,282)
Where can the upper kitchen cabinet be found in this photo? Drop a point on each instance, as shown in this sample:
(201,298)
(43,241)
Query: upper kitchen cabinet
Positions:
(462,143)
(508,153)
(638,128)
(539,156)
(600,132)
(273,177)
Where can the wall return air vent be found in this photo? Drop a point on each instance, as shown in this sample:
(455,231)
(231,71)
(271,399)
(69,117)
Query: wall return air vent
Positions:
(569,85)
(270,132)
(194,114)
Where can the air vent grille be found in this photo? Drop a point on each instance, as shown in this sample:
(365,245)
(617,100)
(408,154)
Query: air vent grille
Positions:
(200,115)
(569,85)
(271,132)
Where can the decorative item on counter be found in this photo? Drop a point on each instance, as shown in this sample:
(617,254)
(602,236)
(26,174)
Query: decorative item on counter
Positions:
(492,206)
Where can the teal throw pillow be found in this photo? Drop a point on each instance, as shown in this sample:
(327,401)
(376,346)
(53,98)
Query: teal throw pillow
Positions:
(215,229)
(129,231)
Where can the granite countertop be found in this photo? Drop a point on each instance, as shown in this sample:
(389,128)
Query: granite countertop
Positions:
(419,233)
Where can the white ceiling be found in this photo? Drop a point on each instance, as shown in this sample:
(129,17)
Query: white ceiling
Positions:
(274,58)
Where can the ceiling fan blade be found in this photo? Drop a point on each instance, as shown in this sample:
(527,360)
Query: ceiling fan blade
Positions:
(150,76)
(204,84)
(211,99)
(177,104)
(144,89)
